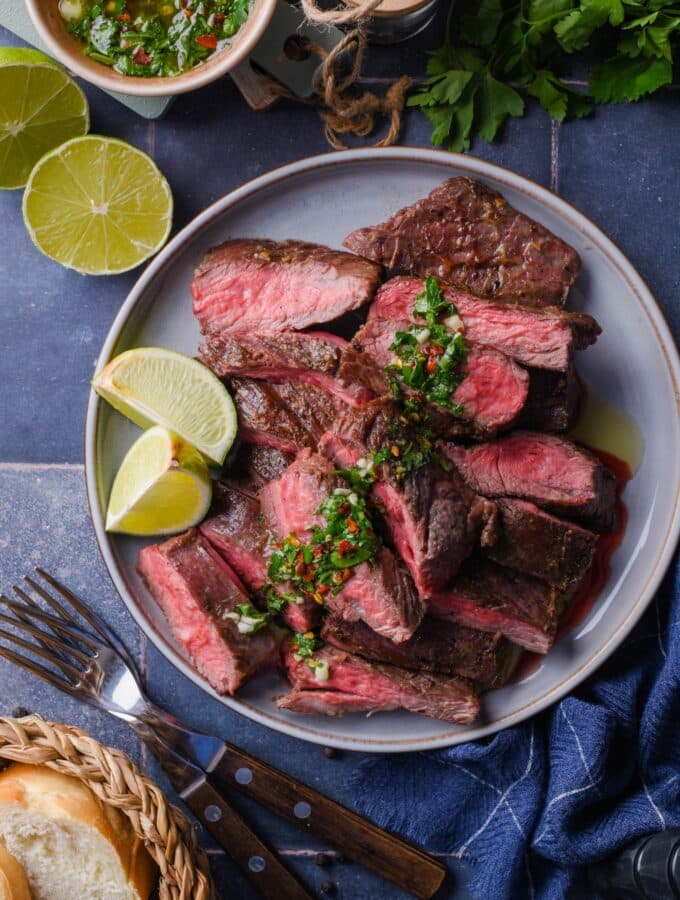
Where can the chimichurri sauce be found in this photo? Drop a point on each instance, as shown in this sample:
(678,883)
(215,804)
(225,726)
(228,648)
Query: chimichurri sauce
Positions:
(144,38)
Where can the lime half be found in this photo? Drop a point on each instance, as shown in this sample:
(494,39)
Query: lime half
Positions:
(155,386)
(97,205)
(41,106)
(162,487)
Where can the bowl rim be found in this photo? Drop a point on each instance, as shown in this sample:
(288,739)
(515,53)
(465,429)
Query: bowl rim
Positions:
(216,66)
(475,167)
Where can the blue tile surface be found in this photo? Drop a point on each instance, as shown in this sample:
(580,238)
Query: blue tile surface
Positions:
(620,167)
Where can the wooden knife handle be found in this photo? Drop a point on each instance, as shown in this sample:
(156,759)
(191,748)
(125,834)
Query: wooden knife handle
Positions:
(265,870)
(354,836)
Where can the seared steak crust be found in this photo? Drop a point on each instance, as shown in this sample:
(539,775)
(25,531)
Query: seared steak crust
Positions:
(530,540)
(437,646)
(465,233)
(249,284)
(554,400)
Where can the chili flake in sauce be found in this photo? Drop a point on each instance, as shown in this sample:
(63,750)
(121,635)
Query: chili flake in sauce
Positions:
(153,37)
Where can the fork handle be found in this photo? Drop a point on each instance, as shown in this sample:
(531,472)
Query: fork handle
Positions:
(264,870)
(356,837)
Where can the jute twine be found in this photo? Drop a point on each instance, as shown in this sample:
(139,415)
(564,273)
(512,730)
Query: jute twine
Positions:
(344,108)
(114,778)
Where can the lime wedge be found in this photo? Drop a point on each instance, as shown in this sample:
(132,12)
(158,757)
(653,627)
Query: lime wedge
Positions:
(41,106)
(163,486)
(97,205)
(155,386)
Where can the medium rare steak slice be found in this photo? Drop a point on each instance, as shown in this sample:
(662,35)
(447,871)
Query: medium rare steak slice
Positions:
(370,687)
(554,400)
(276,356)
(241,537)
(247,284)
(256,464)
(433,517)
(531,540)
(492,598)
(466,233)
(379,591)
(543,468)
(195,588)
(437,646)
(493,393)
(541,338)
(285,417)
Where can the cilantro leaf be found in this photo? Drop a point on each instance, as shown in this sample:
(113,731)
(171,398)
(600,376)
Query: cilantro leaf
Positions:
(495,101)
(556,98)
(622,78)
(575,29)
(481,28)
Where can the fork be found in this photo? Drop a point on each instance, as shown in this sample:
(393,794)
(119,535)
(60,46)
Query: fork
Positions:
(93,665)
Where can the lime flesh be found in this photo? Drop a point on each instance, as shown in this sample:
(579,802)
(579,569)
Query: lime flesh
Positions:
(41,106)
(156,386)
(97,205)
(162,487)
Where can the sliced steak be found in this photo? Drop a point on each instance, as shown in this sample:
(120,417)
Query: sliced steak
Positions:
(531,540)
(492,598)
(256,464)
(370,687)
(554,400)
(379,592)
(284,417)
(541,338)
(437,646)
(548,470)
(466,233)
(195,589)
(276,356)
(248,284)
(433,517)
(241,537)
(493,393)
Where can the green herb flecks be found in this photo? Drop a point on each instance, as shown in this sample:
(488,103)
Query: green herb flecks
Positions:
(502,44)
(248,619)
(304,647)
(430,358)
(156,37)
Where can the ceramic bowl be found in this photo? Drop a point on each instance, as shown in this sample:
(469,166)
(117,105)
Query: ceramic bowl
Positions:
(69,51)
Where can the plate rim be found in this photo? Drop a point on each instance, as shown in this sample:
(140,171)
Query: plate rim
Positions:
(473,166)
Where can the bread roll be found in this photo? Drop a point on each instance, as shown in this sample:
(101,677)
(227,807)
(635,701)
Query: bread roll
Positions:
(72,846)
(13,881)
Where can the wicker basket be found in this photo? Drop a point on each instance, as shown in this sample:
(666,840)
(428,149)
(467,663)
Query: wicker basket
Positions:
(116,780)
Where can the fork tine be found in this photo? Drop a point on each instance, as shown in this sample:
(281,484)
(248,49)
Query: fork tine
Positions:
(49,657)
(29,601)
(109,636)
(34,667)
(47,640)
(48,598)
(74,632)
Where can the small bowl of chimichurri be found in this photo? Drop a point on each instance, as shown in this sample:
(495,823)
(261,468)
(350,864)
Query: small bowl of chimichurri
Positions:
(151,47)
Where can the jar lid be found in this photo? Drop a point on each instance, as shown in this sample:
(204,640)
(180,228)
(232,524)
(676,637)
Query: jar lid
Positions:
(395,7)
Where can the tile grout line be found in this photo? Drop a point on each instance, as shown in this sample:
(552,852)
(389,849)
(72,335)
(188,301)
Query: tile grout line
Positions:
(554,154)
(39,467)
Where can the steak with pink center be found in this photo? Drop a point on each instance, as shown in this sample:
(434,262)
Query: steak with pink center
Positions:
(361,683)
(379,592)
(249,284)
(196,590)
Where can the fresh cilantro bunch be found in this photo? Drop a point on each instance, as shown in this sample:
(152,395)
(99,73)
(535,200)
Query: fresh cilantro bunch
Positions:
(500,45)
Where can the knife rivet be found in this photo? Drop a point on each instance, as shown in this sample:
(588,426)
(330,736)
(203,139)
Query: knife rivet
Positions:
(256,864)
(212,813)
(302,810)
(243,776)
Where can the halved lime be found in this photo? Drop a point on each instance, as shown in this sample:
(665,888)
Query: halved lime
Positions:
(97,205)
(156,386)
(41,106)
(162,487)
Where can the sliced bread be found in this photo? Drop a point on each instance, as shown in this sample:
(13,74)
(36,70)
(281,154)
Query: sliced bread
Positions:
(71,845)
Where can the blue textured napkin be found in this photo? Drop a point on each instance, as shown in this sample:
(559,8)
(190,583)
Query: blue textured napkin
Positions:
(569,787)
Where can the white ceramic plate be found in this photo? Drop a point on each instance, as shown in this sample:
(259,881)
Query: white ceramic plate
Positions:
(634,366)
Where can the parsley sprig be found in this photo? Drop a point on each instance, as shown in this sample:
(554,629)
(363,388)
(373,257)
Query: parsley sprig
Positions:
(501,44)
